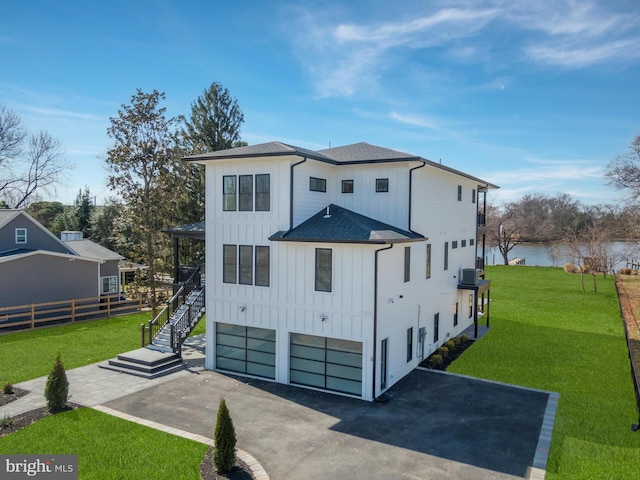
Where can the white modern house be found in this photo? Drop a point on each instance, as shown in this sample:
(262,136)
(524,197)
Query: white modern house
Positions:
(339,269)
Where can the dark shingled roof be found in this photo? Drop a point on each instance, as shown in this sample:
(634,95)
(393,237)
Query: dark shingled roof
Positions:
(191,230)
(344,226)
(365,152)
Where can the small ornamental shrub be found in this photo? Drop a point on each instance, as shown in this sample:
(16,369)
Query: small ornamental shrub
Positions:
(443,351)
(7,389)
(451,345)
(464,338)
(6,421)
(57,389)
(224,450)
(435,360)
(456,341)
(570,268)
(625,271)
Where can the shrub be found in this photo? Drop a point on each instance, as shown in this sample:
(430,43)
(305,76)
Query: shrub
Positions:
(224,450)
(456,341)
(464,338)
(6,421)
(570,268)
(57,389)
(7,389)
(443,351)
(435,360)
(451,345)
(625,271)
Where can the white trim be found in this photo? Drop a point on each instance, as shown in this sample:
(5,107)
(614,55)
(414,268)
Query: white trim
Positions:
(21,230)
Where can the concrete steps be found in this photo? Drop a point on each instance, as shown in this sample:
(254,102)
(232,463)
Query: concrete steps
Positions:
(145,362)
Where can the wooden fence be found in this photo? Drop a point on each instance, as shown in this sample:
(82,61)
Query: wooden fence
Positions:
(36,315)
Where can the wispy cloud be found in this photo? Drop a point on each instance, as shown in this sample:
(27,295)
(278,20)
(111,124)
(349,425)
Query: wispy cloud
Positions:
(416,120)
(57,112)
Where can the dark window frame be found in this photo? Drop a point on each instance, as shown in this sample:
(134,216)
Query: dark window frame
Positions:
(436,327)
(317,184)
(454,244)
(455,315)
(245,193)
(470,305)
(382,185)
(459,193)
(347,186)
(446,255)
(409,344)
(229,198)
(324,272)
(428,272)
(228,267)
(262,194)
(463,243)
(473,195)
(245,264)
(407,264)
(262,270)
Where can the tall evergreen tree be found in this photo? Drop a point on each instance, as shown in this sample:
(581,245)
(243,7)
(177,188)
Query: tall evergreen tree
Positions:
(224,449)
(83,210)
(142,167)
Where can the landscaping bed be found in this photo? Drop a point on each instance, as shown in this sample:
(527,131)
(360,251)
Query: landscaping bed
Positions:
(447,353)
(15,394)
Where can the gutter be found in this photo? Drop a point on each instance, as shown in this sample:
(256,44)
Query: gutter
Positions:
(291,192)
(424,164)
(375,317)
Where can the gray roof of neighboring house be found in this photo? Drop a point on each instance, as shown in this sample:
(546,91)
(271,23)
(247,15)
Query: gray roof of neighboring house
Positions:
(87,248)
(346,155)
(6,215)
(340,225)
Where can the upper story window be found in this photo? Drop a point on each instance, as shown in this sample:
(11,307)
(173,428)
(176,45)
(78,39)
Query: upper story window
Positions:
(21,235)
(347,186)
(459,193)
(382,184)
(428,260)
(246,192)
(246,265)
(446,255)
(323,269)
(473,195)
(464,243)
(454,244)
(407,264)
(317,184)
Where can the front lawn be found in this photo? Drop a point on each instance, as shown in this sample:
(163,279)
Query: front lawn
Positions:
(108,447)
(549,334)
(31,354)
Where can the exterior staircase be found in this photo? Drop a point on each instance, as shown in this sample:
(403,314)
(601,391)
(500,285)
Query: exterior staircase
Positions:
(162,339)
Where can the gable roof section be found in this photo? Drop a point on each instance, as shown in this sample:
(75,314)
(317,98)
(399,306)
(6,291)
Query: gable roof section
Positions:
(89,249)
(6,215)
(27,253)
(335,224)
(357,153)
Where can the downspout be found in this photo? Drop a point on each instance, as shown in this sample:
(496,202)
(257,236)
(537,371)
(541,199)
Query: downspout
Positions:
(411,190)
(291,192)
(375,317)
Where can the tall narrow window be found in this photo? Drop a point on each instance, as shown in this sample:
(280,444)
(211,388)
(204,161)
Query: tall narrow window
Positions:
(323,269)
(428,260)
(21,235)
(317,184)
(446,255)
(245,201)
(246,264)
(471,305)
(409,344)
(407,264)
(382,185)
(459,193)
(229,193)
(347,186)
(473,195)
(454,244)
(455,314)
(463,243)
(229,265)
(262,266)
(384,352)
(471,242)
(436,327)
(263,192)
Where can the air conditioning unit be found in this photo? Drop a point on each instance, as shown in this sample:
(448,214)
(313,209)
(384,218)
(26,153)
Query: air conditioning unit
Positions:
(470,276)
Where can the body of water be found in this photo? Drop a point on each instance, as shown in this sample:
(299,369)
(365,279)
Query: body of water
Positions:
(538,254)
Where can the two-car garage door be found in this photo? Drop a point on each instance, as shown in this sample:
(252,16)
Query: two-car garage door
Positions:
(320,362)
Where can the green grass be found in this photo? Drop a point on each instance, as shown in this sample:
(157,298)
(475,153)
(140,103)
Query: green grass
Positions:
(31,354)
(108,447)
(549,334)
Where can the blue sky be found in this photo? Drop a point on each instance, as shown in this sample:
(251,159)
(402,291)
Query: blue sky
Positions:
(535,96)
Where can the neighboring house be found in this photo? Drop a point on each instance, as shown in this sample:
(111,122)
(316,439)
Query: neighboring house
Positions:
(37,267)
(340,269)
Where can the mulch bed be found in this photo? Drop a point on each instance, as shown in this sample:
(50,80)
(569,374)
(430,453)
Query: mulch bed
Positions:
(240,471)
(448,358)
(10,397)
(23,420)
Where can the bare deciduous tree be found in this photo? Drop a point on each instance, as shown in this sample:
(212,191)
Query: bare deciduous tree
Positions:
(503,229)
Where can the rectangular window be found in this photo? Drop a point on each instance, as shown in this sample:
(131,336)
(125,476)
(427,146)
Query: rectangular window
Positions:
(471,242)
(471,305)
(384,352)
(455,315)
(347,186)
(409,344)
(454,244)
(263,192)
(382,184)
(262,266)
(21,235)
(436,327)
(229,193)
(109,284)
(317,184)
(428,260)
(459,193)
(407,264)
(446,255)
(464,243)
(229,265)
(473,195)
(323,269)
(245,201)
(246,264)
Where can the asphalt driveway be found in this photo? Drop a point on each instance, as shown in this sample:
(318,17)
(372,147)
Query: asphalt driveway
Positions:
(433,425)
